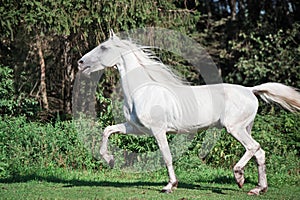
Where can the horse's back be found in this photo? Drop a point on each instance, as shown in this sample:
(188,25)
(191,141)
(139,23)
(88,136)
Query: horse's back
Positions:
(221,103)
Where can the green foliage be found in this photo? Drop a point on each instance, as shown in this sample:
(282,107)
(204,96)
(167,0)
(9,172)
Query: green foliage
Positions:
(11,101)
(38,16)
(25,145)
(225,152)
(266,57)
(277,135)
(67,16)
(7,102)
(67,30)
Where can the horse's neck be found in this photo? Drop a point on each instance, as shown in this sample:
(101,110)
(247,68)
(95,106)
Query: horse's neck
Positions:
(133,74)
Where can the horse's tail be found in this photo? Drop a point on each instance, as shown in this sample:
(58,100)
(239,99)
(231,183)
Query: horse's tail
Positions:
(286,96)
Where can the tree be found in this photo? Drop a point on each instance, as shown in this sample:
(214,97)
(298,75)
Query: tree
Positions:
(42,40)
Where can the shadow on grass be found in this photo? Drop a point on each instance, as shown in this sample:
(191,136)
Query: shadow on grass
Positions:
(148,184)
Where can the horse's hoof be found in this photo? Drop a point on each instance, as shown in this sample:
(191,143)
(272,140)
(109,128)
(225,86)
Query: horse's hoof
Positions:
(175,185)
(111,163)
(168,188)
(110,160)
(264,190)
(241,182)
(256,191)
(166,191)
(251,193)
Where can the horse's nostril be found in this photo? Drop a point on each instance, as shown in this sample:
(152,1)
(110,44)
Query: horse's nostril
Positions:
(80,61)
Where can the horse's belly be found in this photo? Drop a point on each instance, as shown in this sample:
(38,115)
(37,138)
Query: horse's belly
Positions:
(198,111)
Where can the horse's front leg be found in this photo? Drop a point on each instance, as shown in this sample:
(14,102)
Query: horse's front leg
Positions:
(162,142)
(123,128)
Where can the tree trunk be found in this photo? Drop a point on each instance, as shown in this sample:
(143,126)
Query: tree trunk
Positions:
(68,78)
(43,89)
(233,9)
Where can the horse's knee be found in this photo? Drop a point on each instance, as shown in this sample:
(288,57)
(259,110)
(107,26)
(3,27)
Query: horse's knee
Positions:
(107,131)
(103,152)
(254,149)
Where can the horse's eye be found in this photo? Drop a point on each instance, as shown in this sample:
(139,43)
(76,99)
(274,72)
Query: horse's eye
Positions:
(103,48)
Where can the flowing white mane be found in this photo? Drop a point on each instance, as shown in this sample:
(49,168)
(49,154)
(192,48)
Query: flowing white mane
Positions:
(157,71)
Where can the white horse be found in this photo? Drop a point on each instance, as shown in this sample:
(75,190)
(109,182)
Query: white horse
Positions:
(157,102)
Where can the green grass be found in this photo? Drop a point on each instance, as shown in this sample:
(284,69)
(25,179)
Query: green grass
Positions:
(202,182)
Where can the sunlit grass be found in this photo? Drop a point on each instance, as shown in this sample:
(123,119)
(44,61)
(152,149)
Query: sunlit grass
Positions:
(195,182)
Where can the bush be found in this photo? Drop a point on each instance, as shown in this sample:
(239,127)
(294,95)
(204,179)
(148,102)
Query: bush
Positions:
(7,103)
(26,145)
(265,57)
(277,135)
(13,103)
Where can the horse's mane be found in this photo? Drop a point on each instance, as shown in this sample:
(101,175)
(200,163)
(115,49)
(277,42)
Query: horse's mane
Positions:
(157,70)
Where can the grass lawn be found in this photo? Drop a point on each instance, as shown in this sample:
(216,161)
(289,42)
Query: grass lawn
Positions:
(202,182)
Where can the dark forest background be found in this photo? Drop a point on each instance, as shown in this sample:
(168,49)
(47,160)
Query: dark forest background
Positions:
(251,42)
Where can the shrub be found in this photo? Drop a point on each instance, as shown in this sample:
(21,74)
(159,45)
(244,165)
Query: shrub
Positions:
(26,145)
(265,57)
(13,103)
(277,135)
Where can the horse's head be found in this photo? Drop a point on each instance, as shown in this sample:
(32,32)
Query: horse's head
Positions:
(107,54)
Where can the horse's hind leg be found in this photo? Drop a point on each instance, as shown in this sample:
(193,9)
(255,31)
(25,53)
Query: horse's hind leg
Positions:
(261,165)
(251,147)
(262,176)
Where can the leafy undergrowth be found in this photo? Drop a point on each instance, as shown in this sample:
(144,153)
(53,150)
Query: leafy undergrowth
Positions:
(49,161)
